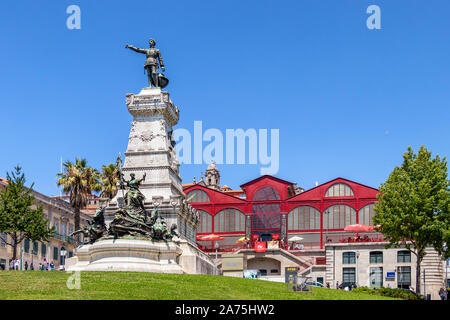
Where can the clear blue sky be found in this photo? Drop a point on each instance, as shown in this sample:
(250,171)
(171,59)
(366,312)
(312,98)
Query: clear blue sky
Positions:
(347,100)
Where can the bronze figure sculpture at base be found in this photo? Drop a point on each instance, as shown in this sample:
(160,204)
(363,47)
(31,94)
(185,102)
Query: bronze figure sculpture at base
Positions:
(132,219)
(97,228)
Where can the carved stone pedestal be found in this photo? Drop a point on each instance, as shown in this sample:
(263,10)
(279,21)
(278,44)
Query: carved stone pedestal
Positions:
(127,255)
(151,151)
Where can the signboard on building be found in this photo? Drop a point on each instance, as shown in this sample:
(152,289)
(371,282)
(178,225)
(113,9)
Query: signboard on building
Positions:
(260,246)
(272,244)
(290,274)
(232,262)
(390,276)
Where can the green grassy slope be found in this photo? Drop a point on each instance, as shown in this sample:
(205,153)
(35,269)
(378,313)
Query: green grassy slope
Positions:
(135,285)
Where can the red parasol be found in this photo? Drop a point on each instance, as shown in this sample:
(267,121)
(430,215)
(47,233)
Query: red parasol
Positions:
(275,236)
(357,228)
(210,237)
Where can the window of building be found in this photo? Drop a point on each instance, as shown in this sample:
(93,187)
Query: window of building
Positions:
(3,240)
(266,208)
(338,216)
(376,277)
(348,258)
(266,221)
(205,224)
(55,253)
(266,193)
(35,248)
(70,254)
(43,250)
(348,275)
(339,190)
(63,229)
(56,225)
(403,277)
(263,272)
(26,246)
(376,257)
(197,196)
(229,220)
(366,214)
(403,256)
(304,218)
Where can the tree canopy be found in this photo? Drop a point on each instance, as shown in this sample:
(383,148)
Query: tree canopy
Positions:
(19,217)
(414,202)
(79,180)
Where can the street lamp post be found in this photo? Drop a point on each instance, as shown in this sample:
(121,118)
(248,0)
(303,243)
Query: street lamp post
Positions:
(216,245)
(63,257)
(356,273)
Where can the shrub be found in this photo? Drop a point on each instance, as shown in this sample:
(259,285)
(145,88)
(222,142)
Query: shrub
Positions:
(387,292)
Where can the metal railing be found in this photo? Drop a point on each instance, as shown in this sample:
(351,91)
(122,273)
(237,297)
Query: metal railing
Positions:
(373,237)
(64,238)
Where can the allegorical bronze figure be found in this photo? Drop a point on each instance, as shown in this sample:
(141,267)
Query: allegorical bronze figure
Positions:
(151,65)
(131,219)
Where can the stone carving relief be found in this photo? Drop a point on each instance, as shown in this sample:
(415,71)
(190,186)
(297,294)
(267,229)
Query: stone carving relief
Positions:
(146,136)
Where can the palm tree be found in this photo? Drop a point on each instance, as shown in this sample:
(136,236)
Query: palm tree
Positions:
(79,180)
(110,179)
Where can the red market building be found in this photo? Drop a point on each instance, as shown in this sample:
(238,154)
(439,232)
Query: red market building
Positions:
(296,231)
(269,208)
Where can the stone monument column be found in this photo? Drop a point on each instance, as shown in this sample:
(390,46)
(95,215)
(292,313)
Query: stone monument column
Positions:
(151,151)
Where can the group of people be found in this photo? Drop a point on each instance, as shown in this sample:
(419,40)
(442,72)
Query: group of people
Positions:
(47,266)
(346,288)
(15,265)
(358,238)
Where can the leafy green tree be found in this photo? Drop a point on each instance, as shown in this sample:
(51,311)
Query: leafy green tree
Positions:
(109,179)
(79,180)
(413,207)
(19,217)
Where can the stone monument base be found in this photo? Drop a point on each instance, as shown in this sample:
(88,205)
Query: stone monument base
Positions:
(127,255)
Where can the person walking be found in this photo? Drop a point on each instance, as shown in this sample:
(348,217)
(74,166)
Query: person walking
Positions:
(337,284)
(31,266)
(40,266)
(26,265)
(16,264)
(328,285)
(350,286)
(442,294)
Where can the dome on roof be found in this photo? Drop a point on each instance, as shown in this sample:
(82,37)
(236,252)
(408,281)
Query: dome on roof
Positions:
(212,166)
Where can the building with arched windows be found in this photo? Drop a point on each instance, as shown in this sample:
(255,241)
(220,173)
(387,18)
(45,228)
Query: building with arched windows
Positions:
(270,206)
(269,212)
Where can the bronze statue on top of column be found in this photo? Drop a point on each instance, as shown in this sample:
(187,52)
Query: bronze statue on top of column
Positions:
(151,65)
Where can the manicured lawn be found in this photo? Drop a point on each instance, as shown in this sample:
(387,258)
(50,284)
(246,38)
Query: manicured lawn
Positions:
(135,285)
